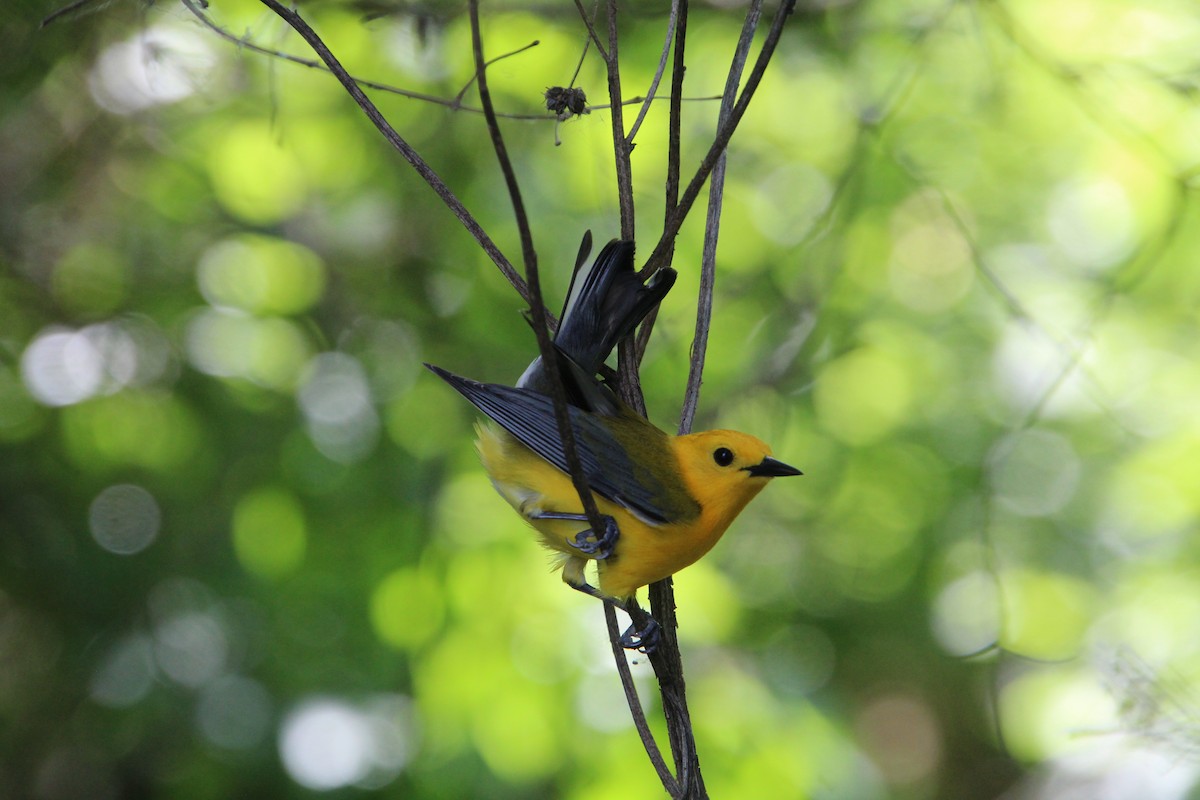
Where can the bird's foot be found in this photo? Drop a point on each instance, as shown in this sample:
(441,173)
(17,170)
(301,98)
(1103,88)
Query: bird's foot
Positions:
(601,546)
(644,640)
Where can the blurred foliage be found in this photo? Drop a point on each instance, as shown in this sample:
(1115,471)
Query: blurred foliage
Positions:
(246,549)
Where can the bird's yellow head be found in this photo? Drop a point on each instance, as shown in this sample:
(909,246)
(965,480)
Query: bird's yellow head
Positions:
(724,470)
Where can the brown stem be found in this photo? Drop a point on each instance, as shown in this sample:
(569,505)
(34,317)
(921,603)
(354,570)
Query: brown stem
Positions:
(635,706)
(712,227)
(621,149)
(662,65)
(404,148)
(721,141)
(538,309)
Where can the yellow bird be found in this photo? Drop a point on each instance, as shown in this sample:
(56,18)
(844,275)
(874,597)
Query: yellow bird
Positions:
(666,500)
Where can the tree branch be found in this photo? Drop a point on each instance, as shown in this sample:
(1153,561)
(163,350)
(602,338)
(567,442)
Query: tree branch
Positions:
(712,226)
(493,126)
(397,141)
(662,65)
(635,705)
(721,141)
(536,306)
(621,149)
(591,29)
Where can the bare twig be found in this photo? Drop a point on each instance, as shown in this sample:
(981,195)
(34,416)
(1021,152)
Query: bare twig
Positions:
(721,140)
(635,705)
(668,668)
(69,10)
(631,387)
(246,44)
(536,305)
(675,122)
(462,92)
(712,229)
(662,65)
(587,43)
(591,28)
(621,148)
(410,155)
(558,396)
(493,126)
(454,104)
(674,126)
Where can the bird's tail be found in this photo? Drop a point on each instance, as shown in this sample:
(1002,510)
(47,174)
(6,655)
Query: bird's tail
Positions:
(606,301)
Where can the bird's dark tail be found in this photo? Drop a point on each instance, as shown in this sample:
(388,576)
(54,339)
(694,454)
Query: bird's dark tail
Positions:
(606,302)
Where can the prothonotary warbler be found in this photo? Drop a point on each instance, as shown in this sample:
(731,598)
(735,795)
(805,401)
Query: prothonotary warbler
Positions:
(666,499)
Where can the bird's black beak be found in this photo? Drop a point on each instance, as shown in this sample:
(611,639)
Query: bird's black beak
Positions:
(771,468)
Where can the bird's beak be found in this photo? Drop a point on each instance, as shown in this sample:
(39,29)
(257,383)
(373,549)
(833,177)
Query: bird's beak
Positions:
(771,468)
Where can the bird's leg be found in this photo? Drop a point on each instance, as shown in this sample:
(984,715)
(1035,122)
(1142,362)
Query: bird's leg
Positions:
(642,635)
(603,545)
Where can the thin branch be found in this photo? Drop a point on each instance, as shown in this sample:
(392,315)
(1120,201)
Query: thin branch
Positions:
(631,386)
(674,126)
(68,11)
(462,92)
(635,705)
(587,43)
(538,308)
(591,28)
(621,149)
(721,141)
(493,126)
(246,44)
(668,669)
(662,65)
(675,123)
(558,396)
(712,228)
(410,155)
(453,104)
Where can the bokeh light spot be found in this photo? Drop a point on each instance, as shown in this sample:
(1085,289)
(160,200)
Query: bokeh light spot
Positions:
(862,396)
(270,352)
(191,647)
(269,532)
(327,743)
(902,737)
(234,712)
(126,673)
(1091,220)
(930,268)
(261,275)
(1046,614)
(407,608)
(420,421)
(253,176)
(124,519)
(159,65)
(1034,472)
(338,409)
(1042,711)
(61,367)
(966,614)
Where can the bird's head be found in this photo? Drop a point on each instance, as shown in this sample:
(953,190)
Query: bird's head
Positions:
(724,470)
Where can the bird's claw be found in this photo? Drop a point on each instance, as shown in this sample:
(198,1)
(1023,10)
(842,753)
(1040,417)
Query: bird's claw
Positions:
(644,640)
(600,547)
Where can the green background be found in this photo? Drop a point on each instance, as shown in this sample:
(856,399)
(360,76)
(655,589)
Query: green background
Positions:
(246,549)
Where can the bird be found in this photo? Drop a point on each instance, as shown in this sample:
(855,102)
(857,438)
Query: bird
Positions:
(664,500)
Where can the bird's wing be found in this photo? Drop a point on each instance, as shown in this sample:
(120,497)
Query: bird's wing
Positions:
(529,416)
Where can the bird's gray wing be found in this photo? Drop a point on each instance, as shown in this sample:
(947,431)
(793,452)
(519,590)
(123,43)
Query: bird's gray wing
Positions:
(529,416)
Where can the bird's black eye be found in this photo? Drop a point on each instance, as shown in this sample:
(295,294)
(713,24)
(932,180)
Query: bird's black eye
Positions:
(723,456)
